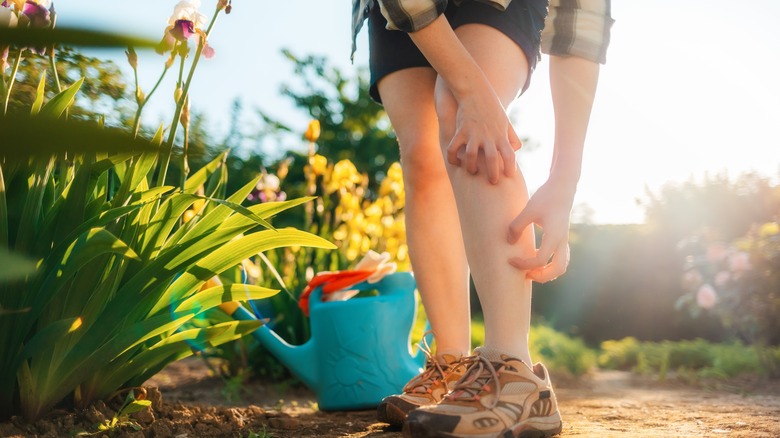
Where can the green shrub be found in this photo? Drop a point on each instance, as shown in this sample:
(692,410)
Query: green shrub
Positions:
(559,351)
(694,358)
(620,354)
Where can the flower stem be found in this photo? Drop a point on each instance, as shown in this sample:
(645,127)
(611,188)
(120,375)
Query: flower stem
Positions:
(168,151)
(185,167)
(180,103)
(11,81)
(53,64)
(142,104)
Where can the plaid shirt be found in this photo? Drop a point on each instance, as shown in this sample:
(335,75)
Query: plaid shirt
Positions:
(573,27)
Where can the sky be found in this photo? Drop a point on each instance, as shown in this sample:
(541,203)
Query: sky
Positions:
(690,87)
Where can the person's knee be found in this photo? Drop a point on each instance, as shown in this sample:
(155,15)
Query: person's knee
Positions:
(423,165)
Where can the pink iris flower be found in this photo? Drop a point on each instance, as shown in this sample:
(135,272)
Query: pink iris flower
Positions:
(185,23)
(38,12)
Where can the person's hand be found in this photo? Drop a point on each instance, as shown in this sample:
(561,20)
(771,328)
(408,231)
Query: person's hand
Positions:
(549,208)
(482,129)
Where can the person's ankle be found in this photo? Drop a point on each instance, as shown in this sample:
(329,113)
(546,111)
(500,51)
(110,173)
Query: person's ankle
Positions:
(520,353)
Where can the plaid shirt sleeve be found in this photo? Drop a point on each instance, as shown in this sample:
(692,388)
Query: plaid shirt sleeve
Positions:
(578,28)
(411,15)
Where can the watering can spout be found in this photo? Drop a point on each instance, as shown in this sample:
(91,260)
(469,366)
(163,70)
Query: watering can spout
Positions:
(359,351)
(298,359)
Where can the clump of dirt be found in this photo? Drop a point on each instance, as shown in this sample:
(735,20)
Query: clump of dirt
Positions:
(188,402)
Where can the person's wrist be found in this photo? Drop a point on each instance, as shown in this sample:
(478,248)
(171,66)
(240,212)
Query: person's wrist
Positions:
(565,177)
(465,87)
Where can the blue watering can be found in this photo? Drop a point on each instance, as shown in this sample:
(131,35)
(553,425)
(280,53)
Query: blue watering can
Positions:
(359,351)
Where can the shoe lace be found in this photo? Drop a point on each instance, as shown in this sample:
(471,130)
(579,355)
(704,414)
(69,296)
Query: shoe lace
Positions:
(430,377)
(480,373)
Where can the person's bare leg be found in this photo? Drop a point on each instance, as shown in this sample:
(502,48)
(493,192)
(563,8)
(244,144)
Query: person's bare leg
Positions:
(486,210)
(432,227)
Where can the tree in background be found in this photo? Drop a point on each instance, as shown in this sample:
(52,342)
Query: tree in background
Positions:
(353,126)
(726,209)
(103,93)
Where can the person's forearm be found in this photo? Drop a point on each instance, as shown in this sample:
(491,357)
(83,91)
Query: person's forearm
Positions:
(573,83)
(450,59)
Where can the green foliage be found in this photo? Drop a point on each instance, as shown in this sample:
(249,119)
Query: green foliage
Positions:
(103,92)
(121,418)
(80,136)
(47,37)
(697,357)
(559,351)
(106,302)
(353,126)
(117,292)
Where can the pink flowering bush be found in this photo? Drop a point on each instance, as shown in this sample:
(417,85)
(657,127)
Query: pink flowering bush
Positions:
(738,282)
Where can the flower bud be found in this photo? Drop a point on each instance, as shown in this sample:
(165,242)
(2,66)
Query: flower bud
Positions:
(313,131)
(132,58)
(177,94)
(170,60)
(221,4)
(139,96)
(284,168)
(185,114)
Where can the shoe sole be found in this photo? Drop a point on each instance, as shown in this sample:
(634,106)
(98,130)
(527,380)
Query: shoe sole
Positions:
(537,427)
(391,414)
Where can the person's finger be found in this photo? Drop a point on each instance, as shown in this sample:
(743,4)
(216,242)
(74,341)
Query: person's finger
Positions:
(472,156)
(546,250)
(514,140)
(554,269)
(518,225)
(492,164)
(453,149)
(508,159)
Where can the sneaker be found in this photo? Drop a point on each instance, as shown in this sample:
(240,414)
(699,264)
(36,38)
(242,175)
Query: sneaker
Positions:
(428,388)
(499,396)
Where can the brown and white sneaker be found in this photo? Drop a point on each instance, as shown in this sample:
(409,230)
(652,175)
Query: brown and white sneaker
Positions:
(428,388)
(498,397)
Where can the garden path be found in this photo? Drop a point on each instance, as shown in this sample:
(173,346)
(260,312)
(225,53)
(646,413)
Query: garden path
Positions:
(604,404)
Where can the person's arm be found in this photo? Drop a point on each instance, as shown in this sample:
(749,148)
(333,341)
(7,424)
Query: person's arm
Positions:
(482,123)
(573,83)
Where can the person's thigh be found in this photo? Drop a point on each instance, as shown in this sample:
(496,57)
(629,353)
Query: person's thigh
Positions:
(407,96)
(521,23)
(502,61)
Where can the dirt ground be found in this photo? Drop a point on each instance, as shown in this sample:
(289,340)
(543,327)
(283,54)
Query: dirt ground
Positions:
(605,404)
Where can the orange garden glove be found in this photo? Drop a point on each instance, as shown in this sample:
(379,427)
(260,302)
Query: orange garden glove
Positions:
(372,268)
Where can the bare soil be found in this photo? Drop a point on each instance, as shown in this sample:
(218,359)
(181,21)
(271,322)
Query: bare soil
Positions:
(191,403)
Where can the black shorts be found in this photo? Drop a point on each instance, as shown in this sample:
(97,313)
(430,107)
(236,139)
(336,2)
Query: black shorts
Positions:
(393,50)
